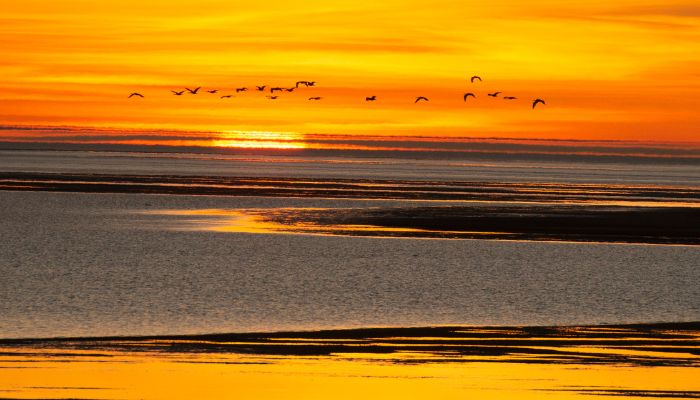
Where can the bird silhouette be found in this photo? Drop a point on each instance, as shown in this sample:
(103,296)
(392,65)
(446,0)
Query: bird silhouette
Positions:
(262,88)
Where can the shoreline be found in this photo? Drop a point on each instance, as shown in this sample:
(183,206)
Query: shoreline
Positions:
(384,331)
(655,344)
(550,222)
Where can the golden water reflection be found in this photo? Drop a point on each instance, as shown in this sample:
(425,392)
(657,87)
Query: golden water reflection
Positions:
(274,221)
(458,362)
(531,223)
(124,375)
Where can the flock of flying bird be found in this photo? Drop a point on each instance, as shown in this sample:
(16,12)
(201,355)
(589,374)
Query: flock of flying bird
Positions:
(272,95)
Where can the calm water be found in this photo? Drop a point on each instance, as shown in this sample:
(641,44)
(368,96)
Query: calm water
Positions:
(94,264)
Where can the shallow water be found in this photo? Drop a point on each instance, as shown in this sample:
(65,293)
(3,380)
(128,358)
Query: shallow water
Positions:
(188,376)
(76,264)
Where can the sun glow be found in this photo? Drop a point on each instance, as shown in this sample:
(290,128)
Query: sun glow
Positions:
(260,140)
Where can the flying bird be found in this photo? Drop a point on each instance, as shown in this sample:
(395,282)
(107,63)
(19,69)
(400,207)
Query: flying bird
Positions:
(534,103)
(193,91)
(509,98)
(469,94)
(261,88)
(419,98)
(272,97)
(291,89)
(371,98)
(314,98)
(241,89)
(475,78)
(305,83)
(494,94)
(135,94)
(228,96)
(276,89)
(311,83)
(178,93)
(213,91)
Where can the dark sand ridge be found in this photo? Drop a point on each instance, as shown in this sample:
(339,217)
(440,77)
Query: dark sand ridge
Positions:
(662,344)
(663,225)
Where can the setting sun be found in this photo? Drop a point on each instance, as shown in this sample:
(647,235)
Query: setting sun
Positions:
(260,140)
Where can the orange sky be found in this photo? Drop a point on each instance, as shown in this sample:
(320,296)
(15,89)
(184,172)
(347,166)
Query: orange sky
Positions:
(608,70)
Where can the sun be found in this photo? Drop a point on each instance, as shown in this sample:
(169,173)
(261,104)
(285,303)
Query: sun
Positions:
(260,140)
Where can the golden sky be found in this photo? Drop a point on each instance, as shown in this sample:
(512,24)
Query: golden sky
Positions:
(608,69)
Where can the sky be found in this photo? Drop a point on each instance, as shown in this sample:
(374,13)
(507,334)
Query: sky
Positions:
(608,70)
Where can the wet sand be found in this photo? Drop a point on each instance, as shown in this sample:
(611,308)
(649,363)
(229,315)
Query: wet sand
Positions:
(652,360)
